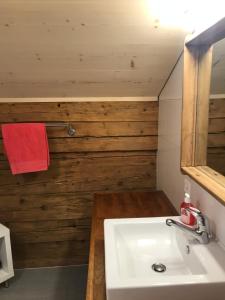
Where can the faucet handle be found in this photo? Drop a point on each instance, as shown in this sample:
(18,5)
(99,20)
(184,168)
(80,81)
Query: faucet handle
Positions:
(194,211)
(202,220)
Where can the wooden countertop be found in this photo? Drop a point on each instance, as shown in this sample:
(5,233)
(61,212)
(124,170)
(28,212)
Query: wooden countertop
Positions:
(118,205)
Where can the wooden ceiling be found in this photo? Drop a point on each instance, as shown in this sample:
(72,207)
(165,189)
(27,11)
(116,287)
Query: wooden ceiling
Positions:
(83,48)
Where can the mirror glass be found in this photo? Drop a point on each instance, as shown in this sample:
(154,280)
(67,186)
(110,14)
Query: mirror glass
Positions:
(216,125)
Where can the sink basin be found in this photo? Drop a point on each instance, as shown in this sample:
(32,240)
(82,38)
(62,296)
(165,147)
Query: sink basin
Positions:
(135,249)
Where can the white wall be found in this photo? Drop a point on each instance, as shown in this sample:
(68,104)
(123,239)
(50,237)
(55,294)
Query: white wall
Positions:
(169,177)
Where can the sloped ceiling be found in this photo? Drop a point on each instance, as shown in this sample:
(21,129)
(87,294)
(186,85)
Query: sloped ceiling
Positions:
(84,48)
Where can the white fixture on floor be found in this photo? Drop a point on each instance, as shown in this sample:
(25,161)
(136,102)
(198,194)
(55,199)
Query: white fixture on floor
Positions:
(145,259)
(6,265)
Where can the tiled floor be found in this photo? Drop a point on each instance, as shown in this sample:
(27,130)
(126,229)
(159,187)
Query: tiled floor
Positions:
(60,283)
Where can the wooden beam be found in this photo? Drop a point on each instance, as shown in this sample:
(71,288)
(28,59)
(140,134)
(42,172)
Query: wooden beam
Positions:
(75,99)
(209,36)
(190,77)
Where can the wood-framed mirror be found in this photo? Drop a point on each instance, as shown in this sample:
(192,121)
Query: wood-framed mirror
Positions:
(203,112)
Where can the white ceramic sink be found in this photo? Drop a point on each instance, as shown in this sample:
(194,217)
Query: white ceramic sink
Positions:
(132,246)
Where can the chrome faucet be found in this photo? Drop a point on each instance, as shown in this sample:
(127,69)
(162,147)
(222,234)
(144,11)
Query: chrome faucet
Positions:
(201,232)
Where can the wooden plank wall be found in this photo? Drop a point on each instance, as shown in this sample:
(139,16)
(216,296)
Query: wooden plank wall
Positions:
(49,212)
(216,136)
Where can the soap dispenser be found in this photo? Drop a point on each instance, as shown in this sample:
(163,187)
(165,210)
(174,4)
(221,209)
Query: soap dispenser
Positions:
(186,217)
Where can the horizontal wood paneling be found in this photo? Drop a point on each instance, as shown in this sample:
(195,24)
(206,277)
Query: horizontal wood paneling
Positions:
(79,111)
(71,207)
(61,235)
(76,99)
(50,225)
(100,144)
(216,108)
(216,136)
(50,253)
(67,175)
(216,139)
(217,161)
(106,129)
(217,125)
(114,150)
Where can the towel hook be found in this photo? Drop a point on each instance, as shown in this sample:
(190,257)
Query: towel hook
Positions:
(71,131)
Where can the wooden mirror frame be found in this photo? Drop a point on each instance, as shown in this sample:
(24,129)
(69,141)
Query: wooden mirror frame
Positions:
(195,111)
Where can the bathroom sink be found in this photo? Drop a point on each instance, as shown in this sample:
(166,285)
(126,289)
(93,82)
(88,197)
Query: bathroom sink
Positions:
(146,259)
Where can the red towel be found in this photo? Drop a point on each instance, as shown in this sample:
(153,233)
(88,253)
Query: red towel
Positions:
(26,146)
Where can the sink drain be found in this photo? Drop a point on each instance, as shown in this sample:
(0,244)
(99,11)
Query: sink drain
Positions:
(160,268)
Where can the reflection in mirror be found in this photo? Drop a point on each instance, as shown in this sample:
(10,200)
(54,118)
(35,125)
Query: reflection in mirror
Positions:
(216,129)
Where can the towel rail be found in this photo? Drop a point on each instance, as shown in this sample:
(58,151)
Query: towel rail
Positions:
(71,131)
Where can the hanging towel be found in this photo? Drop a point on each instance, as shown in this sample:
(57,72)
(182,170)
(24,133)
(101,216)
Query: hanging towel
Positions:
(26,146)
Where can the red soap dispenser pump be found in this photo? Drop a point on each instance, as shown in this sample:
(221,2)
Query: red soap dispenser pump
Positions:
(186,216)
